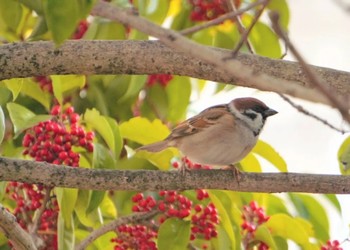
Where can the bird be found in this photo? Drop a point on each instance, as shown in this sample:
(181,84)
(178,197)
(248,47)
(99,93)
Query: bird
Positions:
(220,135)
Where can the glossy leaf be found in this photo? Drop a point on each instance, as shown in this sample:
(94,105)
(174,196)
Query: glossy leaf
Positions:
(178,92)
(281,7)
(66,198)
(263,234)
(65,237)
(310,209)
(65,83)
(22,118)
(285,226)
(14,85)
(136,84)
(2,125)
(94,218)
(265,42)
(174,234)
(11,13)
(107,128)
(95,200)
(332,198)
(143,131)
(224,218)
(344,157)
(269,153)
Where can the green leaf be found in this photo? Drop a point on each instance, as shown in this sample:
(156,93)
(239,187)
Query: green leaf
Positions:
(160,159)
(178,92)
(107,128)
(102,29)
(281,7)
(66,198)
(265,42)
(2,125)
(250,163)
(263,234)
(142,131)
(284,226)
(63,84)
(344,157)
(62,17)
(310,209)
(137,82)
(266,151)
(39,29)
(92,219)
(102,157)
(332,198)
(66,239)
(108,208)
(95,200)
(155,10)
(15,86)
(11,13)
(22,118)
(224,218)
(35,5)
(174,234)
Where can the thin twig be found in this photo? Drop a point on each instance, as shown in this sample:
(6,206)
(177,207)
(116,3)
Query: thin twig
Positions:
(39,213)
(220,19)
(134,218)
(240,26)
(305,112)
(245,35)
(341,105)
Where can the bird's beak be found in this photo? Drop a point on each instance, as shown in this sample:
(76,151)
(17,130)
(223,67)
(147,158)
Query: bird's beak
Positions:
(270,112)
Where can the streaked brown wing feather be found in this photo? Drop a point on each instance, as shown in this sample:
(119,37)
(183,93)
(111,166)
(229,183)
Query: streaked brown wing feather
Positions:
(195,124)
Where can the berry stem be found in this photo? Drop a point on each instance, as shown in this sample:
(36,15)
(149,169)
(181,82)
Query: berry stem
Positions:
(37,216)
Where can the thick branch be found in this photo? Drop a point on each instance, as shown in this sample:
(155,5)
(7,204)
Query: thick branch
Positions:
(151,57)
(19,238)
(51,175)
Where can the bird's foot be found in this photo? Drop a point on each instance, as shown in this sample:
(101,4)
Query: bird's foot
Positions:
(236,173)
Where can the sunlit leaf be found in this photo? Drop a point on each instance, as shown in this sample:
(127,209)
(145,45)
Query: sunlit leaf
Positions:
(160,159)
(174,234)
(310,209)
(22,118)
(269,153)
(2,125)
(107,128)
(95,200)
(178,92)
(102,29)
(14,85)
(155,10)
(108,208)
(344,157)
(285,226)
(93,219)
(66,198)
(35,5)
(263,234)
(11,13)
(143,131)
(65,235)
(39,29)
(136,84)
(250,164)
(281,7)
(65,83)
(224,218)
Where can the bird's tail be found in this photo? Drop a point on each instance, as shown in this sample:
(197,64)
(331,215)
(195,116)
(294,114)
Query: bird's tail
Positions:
(155,147)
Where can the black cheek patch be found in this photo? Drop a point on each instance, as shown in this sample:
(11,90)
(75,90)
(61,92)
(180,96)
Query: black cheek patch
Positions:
(250,115)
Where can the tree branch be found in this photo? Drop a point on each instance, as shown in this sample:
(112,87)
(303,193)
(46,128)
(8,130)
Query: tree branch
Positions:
(19,238)
(134,218)
(51,175)
(151,57)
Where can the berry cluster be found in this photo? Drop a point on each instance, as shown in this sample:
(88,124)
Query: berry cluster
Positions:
(135,237)
(253,216)
(162,79)
(204,10)
(332,245)
(204,222)
(185,162)
(29,198)
(45,83)
(171,204)
(81,29)
(52,140)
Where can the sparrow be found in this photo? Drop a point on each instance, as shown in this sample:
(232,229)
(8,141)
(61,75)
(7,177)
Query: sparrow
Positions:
(221,135)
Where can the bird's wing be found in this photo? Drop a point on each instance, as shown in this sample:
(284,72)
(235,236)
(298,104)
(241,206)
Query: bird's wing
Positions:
(195,124)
